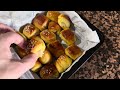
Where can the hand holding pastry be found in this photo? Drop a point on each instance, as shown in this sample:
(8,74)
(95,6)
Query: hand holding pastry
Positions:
(36,45)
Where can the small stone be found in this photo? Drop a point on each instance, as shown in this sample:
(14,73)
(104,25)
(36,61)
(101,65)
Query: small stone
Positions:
(107,65)
(104,71)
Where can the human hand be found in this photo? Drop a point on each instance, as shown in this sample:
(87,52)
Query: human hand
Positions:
(10,68)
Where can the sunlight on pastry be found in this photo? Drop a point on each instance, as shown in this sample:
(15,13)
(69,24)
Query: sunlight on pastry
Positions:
(73,51)
(40,21)
(30,31)
(62,63)
(54,27)
(63,21)
(46,57)
(36,67)
(47,36)
(53,15)
(68,36)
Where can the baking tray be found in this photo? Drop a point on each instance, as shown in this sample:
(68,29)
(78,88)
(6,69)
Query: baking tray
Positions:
(88,54)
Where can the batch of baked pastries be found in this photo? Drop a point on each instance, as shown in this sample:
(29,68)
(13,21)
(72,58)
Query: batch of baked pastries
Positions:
(44,36)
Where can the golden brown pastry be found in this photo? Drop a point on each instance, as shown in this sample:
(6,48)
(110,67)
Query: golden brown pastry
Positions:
(46,57)
(73,51)
(40,21)
(56,48)
(54,27)
(62,63)
(68,36)
(53,15)
(36,45)
(64,21)
(30,31)
(47,36)
(21,52)
(36,67)
(49,71)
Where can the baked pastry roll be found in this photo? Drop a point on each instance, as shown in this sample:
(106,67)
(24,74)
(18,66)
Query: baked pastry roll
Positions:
(40,21)
(30,30)
(36,45)
(56,48)
(47,36)
(46,57)
(62,63)
(49,71)
(21,52)
(64,21)
(73,51)
(54,27)
(53,15)
(68,36)
(36,67)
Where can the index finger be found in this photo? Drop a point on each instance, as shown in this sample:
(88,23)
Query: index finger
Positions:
(13,37)
(5,28)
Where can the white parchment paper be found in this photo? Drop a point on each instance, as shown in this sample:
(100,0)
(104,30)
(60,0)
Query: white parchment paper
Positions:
(86,38)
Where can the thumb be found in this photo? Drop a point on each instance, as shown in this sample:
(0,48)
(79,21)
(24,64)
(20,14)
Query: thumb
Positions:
(5,28)
(22,66)
(29,61)
(12,37)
